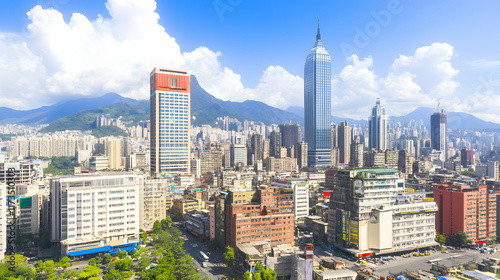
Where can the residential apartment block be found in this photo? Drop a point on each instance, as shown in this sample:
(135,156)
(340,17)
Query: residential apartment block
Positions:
(263,214)
(465,208)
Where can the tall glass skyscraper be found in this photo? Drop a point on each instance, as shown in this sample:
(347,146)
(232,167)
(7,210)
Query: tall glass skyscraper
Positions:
(317,104)
(170,119)
(438,133)
(378,128)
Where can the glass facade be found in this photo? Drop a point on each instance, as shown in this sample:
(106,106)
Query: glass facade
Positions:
(170,121)
(174,132)
(317,105)
(378,128)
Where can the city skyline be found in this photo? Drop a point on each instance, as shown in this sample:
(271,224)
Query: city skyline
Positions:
(430,64)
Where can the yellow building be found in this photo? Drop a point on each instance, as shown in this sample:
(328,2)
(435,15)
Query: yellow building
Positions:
(181,206)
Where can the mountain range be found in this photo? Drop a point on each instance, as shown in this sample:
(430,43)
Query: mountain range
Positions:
(80,113)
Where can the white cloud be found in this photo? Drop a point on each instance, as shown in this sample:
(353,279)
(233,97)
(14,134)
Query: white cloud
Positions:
(411,81)
(116,53)
(484,63)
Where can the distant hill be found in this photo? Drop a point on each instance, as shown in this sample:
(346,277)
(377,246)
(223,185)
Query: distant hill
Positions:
(246,110)
(80,114)
(455,120)
(85,120)
(205,109)
(299,111)
(48,114)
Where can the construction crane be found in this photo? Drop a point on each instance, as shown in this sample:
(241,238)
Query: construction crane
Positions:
(437,100)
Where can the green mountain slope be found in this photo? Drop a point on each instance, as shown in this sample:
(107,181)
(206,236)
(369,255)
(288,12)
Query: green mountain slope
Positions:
(85,120)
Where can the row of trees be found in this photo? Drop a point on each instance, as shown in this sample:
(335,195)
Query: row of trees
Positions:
(173,261)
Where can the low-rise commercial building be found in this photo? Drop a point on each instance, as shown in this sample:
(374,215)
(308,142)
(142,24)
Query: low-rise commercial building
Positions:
(95,207)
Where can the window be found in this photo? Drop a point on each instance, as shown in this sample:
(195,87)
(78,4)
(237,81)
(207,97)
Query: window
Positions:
(173,82)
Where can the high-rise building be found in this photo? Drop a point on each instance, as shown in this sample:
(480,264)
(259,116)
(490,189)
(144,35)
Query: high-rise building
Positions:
(466,157)
(290,134)
(344,143)
(469,209)
(113,152)
(378,128)
(300,151)
(238,155)
(334,145)
(438,133)
(170,121)
(356,154)
(317,104)
(275,144)
(257,146)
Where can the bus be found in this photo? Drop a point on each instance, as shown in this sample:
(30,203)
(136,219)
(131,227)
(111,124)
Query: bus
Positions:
(435,261)
(203,259)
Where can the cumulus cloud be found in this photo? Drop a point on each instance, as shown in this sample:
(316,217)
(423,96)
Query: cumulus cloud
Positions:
(116,52)
(411,81)
(113,53)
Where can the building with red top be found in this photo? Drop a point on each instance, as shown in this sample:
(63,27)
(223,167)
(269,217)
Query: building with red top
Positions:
(170,121)
(470,209)
(263,214)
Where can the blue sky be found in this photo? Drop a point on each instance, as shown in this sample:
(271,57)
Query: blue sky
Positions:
(413,52)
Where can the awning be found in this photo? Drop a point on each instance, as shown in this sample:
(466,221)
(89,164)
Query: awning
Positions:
(90,251)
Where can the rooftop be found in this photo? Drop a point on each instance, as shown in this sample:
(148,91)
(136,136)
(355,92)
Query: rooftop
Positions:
(378,171)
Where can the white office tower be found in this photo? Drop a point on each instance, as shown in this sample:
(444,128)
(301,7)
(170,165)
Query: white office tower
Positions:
(378,128)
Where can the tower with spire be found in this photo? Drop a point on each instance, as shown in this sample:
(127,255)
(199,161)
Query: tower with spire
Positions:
(317,104)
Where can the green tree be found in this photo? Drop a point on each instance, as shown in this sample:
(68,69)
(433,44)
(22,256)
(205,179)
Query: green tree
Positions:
(470,173)
(157,226)
(143,264)
(46,267)
(106,259)
(259,267)
(121,254)
(440,238)
(169,221)
(144,237)
(64,262)
(95,262)
(459,239)
(90,272)
(164,224)
(69,274)
(229,256)
(112,274)
(22,272)
(269,274)
(257,276)
(246,276)
(123,265)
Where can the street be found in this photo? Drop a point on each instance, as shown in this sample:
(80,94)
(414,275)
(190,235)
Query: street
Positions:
(455,257)
(215,269)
